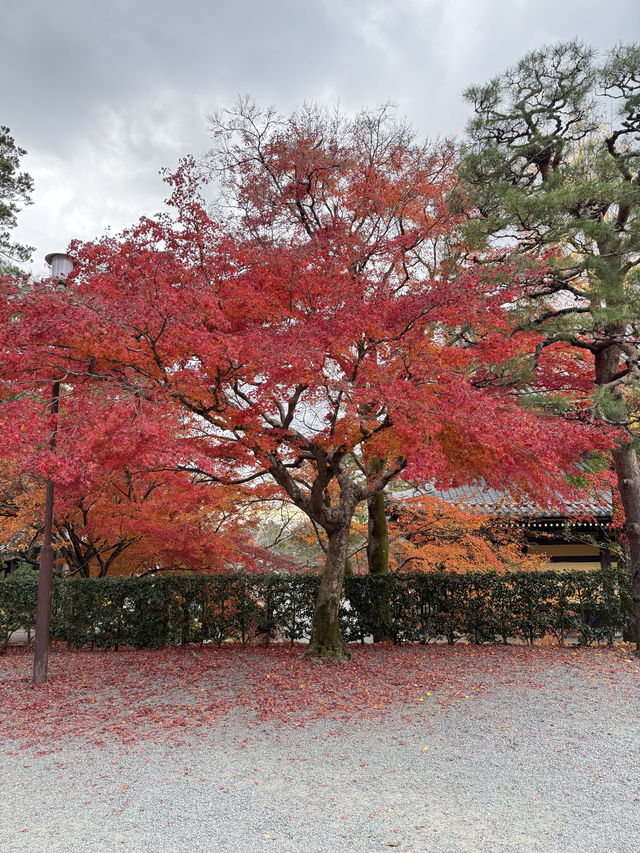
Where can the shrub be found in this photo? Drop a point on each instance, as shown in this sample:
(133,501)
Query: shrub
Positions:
(156,611)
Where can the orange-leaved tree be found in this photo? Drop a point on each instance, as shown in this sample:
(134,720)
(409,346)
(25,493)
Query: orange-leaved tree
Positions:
(428,534)
(126,501)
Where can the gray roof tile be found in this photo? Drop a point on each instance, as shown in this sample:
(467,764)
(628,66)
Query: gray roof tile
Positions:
(489,500)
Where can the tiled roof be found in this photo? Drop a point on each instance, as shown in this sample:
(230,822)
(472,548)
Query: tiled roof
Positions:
(485,499)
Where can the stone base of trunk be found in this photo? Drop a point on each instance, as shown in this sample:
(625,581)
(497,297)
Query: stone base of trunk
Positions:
(326,640)
(330,653)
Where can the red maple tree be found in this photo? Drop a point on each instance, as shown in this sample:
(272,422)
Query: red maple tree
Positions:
(305,356)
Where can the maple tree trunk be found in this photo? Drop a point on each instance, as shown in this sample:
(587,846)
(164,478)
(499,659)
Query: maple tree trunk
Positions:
(326,640)
(627,470)
(378,563)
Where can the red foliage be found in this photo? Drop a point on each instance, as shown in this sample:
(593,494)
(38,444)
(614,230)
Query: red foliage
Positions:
(124,502)
(278,358)
(329,322)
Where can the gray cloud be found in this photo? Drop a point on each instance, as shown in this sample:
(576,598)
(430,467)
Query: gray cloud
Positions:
(104,95)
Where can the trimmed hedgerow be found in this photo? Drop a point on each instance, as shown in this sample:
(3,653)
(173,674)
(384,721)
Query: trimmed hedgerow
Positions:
(155,611)
(18,594)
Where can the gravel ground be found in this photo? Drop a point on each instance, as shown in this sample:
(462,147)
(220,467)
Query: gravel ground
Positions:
(553,768)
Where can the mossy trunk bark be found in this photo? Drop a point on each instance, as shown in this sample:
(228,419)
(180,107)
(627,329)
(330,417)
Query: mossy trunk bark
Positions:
(326,640)
(378,563)
(627,470)
(625,462)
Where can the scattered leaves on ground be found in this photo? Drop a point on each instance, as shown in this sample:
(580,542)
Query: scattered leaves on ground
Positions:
(172,694)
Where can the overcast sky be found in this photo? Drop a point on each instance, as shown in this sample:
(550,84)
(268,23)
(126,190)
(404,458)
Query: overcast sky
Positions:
(104,94)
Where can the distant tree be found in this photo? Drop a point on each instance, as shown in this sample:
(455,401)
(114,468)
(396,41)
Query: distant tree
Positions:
(15,192)
(553,170)
(289,534)
(429,535)
(127,500)
(128,522)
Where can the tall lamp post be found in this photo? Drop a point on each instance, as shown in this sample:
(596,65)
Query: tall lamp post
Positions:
(61,265)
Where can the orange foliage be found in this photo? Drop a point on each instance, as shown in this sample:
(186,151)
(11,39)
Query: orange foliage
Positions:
(129,523)
(428,535)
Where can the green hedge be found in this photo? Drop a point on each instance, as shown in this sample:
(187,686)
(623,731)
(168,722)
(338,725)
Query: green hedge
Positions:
(18,595)
(187,608)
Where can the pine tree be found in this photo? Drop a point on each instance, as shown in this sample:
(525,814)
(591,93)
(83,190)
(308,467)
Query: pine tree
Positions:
(553,169)
(15,192)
